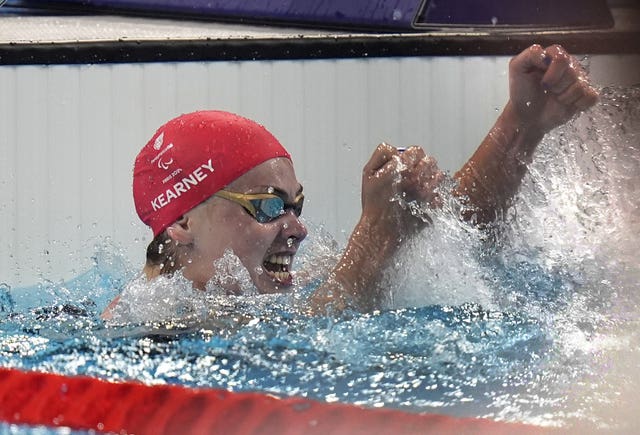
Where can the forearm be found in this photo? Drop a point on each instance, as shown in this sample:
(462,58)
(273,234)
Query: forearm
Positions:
(355,282)
(492,176)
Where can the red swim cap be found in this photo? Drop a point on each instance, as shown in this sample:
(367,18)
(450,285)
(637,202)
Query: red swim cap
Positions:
(193,156)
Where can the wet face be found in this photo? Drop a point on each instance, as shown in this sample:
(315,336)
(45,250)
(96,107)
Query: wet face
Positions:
(265,249)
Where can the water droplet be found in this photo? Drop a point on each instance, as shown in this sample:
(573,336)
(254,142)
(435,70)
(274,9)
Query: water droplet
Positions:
(528,103)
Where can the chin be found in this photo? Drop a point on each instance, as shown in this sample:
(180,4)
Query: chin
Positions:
(269,285)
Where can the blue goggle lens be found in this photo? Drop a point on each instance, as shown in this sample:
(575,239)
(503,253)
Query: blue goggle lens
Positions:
(268,209)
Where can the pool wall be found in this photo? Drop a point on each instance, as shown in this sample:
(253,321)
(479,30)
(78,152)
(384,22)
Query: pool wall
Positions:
(69,130)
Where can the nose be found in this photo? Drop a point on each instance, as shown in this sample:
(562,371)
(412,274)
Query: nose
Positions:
(292,227)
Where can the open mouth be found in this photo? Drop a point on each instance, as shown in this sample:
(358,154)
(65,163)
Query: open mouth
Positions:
(277,267)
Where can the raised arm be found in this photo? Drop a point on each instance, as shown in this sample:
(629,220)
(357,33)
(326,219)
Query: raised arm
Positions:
(546,88)
(391,181)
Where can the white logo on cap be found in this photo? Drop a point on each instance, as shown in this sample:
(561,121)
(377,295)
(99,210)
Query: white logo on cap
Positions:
(158,142)
(163,164)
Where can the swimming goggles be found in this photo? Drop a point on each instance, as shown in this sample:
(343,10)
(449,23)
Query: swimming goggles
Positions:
(264,207)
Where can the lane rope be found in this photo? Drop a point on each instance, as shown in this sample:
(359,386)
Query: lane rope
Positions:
(85,403)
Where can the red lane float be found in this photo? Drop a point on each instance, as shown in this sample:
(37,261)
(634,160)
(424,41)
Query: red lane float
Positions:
(84,403)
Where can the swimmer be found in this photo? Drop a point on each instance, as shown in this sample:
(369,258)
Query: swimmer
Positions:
(210,182)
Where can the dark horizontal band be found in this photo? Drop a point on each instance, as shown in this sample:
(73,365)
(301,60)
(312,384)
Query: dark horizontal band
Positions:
(298,48)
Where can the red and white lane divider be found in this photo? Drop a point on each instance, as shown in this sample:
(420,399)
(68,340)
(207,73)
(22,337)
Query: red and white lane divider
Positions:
(84,403)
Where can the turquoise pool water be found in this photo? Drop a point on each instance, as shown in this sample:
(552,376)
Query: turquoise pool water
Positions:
(538,323)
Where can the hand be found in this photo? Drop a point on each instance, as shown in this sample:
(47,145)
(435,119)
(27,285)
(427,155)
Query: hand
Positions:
(547,87)
(393,182)
(390,180)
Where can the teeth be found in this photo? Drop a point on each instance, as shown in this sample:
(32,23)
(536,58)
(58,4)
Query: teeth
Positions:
(280,259)
(281,276)
(281,273)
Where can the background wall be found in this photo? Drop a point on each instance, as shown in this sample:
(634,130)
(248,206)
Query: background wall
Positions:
(69,135)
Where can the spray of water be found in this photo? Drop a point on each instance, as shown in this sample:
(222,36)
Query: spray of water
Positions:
(579,214)
(440,267)
(567,256)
